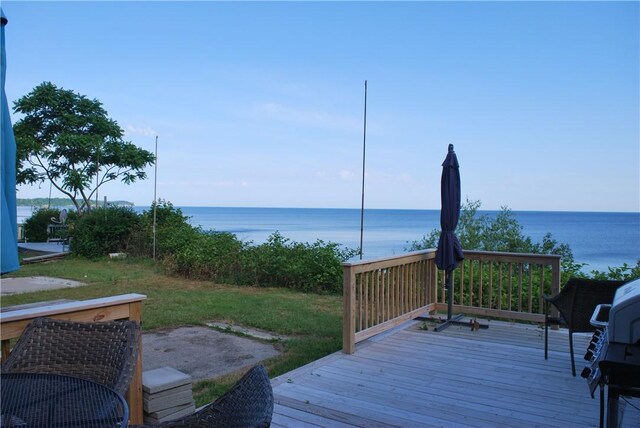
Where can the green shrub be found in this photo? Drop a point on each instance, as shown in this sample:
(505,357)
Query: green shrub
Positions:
(280,262)
(210,255)
(173,232)
(192,252)
(622,273)
(222,257)
(103,230)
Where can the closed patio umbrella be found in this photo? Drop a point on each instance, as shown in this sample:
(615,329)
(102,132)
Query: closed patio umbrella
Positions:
(449,252)
(8,217)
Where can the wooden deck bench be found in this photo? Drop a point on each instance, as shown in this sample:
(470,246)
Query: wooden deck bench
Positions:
(122,307)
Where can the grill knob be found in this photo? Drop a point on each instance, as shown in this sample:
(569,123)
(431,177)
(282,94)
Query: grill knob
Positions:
(589,355)
(586,372)
(592,346)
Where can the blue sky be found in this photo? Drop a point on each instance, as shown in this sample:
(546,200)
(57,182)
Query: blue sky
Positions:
(261,104)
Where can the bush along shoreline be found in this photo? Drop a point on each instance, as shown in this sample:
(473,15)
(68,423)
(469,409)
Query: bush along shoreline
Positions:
(191,252)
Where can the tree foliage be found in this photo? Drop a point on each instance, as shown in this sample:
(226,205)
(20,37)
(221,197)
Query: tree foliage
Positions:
(103,231)
(68,139)
(621,273)
(500,233)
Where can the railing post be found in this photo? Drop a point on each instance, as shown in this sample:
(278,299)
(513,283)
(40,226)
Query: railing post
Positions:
(555,277)
(433,283)
(134,394)
(555,289)
(348,317)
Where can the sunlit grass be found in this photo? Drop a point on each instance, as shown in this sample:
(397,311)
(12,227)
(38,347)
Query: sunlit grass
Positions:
(313,322)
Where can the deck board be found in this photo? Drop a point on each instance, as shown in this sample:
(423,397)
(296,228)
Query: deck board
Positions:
(457,377)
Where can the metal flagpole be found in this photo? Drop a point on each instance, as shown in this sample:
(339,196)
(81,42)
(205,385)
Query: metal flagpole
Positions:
(155,201)
(364,150)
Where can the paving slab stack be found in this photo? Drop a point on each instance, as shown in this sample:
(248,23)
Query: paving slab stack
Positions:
(167,395)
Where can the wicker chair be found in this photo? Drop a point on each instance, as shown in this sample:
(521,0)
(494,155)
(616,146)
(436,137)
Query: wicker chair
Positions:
(248,404)
(103,352)
(576,303)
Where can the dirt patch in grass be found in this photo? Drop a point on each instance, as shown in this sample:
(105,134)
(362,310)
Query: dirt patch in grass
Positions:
(203,352)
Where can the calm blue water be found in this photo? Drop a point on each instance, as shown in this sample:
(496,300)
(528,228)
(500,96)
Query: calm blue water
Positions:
(599,239)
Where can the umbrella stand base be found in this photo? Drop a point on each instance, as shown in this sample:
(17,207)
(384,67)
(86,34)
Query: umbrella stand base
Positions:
(456,320)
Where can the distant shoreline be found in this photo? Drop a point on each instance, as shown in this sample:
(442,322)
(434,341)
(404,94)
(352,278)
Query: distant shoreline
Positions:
(66,203)
(58,203)
(480,211)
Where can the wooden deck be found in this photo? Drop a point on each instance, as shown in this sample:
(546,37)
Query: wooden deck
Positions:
(410,377)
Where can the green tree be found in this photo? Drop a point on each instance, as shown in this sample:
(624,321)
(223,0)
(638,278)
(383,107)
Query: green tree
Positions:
(68,139)
(502,233)
(621,273)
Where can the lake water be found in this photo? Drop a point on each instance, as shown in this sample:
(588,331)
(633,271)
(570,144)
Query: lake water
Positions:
(598,239)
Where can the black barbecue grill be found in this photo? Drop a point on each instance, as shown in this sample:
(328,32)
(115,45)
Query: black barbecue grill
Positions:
(614,351)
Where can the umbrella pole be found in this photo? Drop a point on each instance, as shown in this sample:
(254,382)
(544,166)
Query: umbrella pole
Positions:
(450,318)
(449,295)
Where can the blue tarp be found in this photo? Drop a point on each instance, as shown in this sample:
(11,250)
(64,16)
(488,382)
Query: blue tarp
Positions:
(8,216)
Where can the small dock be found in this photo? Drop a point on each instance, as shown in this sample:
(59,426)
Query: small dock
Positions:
(45,247)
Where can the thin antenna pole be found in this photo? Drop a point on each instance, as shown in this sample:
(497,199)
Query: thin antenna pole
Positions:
(97,179)
(364,151)
(155,200)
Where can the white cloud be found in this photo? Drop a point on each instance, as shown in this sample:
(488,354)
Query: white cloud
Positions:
(347,175)
(142,132)
(405,178)
(283,113)
(218,183)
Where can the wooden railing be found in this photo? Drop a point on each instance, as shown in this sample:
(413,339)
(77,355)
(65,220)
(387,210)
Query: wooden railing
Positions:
(380,294)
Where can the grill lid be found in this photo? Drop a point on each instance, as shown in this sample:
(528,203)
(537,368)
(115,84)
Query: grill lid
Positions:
(624,314)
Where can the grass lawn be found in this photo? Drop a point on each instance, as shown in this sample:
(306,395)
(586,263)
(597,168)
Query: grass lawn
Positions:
(313,321)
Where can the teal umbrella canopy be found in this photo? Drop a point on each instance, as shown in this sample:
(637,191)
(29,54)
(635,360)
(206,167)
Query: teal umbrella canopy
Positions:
(8,216)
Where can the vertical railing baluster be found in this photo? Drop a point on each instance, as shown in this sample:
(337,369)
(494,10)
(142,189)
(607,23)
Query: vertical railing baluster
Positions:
(359,296)
(500,278)
(530,305)
(376,274)
(540,290)
(510,285)
(520,275)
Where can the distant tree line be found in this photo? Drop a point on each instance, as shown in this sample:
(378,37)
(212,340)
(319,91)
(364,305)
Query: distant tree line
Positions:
(59,202)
